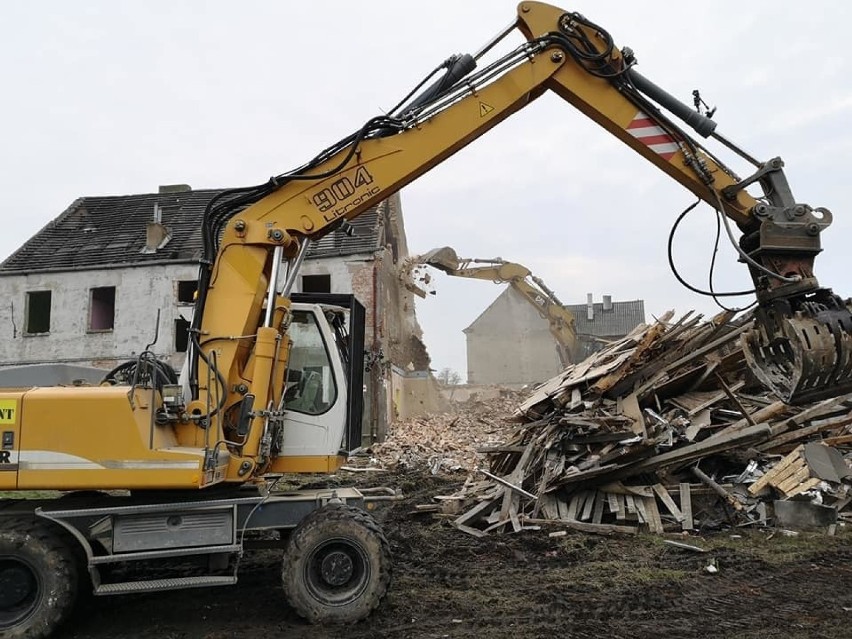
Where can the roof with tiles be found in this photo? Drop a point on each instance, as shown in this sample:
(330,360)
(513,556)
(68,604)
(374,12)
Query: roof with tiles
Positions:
(110,231)
(619,319)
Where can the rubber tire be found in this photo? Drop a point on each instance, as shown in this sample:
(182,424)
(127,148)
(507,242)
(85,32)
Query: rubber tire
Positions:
(336,524)
(53,564)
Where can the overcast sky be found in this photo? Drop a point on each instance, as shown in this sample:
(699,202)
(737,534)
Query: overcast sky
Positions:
(109,98)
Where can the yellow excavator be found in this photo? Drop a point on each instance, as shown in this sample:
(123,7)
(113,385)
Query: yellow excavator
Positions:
(195,463)
(531,288)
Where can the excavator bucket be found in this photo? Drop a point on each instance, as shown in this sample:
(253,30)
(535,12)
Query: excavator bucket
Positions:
(415,276)
(443,258)
(803,357)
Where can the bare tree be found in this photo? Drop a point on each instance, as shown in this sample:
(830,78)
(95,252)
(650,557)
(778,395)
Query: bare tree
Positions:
(449,377)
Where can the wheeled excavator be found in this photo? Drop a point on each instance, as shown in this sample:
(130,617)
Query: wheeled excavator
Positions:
(196,463)
(531,288)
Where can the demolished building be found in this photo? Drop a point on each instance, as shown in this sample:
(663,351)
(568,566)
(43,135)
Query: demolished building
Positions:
(111,274)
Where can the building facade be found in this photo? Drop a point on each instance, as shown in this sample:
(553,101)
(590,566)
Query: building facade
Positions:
(510,344)
(112,276)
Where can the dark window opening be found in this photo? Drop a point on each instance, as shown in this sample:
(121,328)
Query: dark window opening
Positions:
(181,335)
(38,312)
(102,309)
(316,283)
(186,291)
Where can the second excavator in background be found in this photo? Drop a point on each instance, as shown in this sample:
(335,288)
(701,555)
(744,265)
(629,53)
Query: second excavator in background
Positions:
(530,287)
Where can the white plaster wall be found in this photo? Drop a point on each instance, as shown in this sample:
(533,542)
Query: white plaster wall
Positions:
(510,344)
(336,267)
(139,293)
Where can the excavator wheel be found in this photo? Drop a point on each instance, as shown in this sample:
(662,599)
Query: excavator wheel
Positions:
(38,579)
(338,566)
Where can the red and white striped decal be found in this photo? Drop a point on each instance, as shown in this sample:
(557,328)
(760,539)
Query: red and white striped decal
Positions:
(651,135)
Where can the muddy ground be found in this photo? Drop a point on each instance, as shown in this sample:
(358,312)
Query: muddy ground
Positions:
(448,584)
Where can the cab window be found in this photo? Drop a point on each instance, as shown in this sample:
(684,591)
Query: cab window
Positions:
(311,387)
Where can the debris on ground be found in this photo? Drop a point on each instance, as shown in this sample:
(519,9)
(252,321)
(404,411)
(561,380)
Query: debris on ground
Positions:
(663,430)
(448,442)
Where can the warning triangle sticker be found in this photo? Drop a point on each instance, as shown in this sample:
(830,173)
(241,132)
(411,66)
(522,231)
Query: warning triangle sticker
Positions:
(484,109)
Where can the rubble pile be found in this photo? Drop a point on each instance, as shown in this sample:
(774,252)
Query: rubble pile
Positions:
(448,442)
(663,430)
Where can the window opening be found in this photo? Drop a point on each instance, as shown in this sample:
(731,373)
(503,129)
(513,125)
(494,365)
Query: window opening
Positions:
(316,283)
(38,312)
(102,309)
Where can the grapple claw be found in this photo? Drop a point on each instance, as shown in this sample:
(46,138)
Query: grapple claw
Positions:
(804,358)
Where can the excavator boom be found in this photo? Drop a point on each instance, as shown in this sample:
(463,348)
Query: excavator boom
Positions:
(800,345)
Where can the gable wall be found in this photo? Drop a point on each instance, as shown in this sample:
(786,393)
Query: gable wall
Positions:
(511,344)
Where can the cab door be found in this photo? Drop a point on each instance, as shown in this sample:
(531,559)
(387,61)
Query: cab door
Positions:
(315,394)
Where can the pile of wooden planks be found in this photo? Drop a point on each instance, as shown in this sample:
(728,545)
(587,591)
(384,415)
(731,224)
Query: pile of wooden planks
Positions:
(663,430)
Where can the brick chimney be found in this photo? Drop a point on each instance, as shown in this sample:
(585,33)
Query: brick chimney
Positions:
(156,233)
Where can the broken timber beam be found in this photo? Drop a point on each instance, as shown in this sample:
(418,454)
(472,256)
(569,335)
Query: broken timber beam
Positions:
(724,494)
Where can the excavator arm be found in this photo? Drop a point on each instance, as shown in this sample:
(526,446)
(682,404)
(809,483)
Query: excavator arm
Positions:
(533,289)
(800,345)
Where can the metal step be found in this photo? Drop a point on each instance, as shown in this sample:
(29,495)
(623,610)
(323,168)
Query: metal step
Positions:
(157,585)
(161,554)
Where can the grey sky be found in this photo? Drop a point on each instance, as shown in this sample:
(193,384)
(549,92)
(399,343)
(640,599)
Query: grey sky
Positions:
(118,97)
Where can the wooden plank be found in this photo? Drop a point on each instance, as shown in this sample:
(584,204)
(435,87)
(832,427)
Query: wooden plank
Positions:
(562,508)
(791,482)
(470,531)
(764,414)
(601,529)
(597,517)
(681,455)
(613,503)
(837,441)
(730,393)
(630,503)
(807,431)
(513,514)
(668,502)
(813,482)
(788,472)
(475,512)
(508,484)
(549,506)
(697,352)
(571,515)
(621,513)
(495,526)
(583,497)
(588,506)
(757,486)
(715,398)
(655,524)
(494,517)
(686,506)
(629,407)
(640,509)
(731,499)
(515,478)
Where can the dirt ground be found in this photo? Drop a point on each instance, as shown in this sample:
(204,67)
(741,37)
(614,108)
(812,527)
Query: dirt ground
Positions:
(449,584)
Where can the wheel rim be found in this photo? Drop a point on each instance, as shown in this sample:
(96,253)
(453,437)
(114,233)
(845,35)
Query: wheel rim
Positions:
(20,591)
(337,572)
